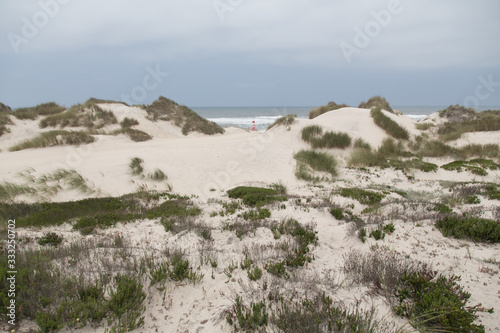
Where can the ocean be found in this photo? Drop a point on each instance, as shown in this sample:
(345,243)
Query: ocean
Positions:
(264,116)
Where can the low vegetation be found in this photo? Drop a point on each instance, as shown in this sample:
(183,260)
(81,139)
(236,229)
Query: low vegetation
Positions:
(4,120)
(469,227)
(257,196)
(388,125)
(462,120)
(314,135)
(88,115)
(309,161)
(134,134)
(55,138)
(181,116)
(46,109)
(376,102)
(476,166)
(285,121)
(365,197)
(325,108)
(128,122)
(430,301)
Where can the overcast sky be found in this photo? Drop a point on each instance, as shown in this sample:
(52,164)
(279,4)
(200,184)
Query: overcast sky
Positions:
(250,52)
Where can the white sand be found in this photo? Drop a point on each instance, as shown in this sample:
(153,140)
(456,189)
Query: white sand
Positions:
(207,166)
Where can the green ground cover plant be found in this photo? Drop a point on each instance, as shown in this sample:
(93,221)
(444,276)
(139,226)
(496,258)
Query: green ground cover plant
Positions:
(477,166)
(469,227)
(387,124)
(365,197)
(55,138)
(256,196)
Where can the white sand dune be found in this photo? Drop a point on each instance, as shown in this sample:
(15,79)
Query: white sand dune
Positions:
(207,166)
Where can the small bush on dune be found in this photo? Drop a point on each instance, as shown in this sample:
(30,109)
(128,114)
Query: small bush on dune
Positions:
(325,108)
(362,144)
(477,166)
(376,102)
(365,197)
(285,121)
(46,109)
(55,138)
(387,124)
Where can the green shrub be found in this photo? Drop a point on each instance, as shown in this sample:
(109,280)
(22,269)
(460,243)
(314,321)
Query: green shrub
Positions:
(364,197)
(377,234)
(277,269)
(435,303)
(442,208)
(285,121)
(376,102)
(318,161)
(50,238)
(473,228)
(256,196)
(325,108)
(389,228)
(54,138)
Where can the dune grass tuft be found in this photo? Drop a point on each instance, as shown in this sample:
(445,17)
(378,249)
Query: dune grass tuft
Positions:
(4,120)
(128,122)
(55,138)
(182,116)
(134,134)
(387,124)
(90,116)
(317,161)
(45,109)
(325,108)
(314,135)
(376,102)
(285,121)
(467,121)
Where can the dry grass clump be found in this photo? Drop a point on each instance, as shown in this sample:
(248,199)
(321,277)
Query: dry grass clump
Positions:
(286,121)
(45,109)
(5,108)
(90,116)
(387,124)
(325,108)
(55,138)
(92,101)
(128,122)
(182,116)
(376,102)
